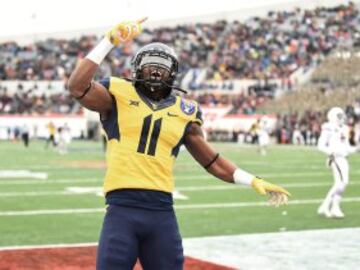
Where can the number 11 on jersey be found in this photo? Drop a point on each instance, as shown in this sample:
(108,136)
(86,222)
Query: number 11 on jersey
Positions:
(145,134)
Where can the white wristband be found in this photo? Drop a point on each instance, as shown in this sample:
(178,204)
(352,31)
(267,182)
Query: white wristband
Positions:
(242,177)
(99,52)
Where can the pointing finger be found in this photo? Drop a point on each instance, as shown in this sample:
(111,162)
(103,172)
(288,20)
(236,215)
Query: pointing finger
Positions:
(140,21)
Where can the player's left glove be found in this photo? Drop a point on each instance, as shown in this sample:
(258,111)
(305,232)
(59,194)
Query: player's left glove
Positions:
(278,195)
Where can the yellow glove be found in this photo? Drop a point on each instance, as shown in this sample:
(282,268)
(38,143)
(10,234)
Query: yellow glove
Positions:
(278,195)
(125,32)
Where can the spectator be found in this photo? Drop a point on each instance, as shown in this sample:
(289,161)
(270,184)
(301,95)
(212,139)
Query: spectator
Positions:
(259,48)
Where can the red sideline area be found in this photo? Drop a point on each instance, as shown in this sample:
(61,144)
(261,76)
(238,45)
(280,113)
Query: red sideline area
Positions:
(73,258)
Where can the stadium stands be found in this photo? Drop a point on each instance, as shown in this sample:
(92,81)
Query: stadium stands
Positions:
(32,100)
(341,69)
(259,48)
(214,58)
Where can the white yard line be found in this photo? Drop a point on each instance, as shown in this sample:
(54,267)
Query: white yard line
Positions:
(250,204)
(22,174)
(178,207)
(54,181)
(47,168)
(190,163)
(40,193)
(97,189)
(53,212)
(231,187)
(75,245)
(290,175)
(187,166)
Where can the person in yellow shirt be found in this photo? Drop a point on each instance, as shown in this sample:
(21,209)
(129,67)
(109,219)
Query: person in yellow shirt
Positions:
(52,131)
(145,124)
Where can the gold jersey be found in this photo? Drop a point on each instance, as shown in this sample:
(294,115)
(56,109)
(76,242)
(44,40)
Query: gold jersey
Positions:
(51,128)
(144,138)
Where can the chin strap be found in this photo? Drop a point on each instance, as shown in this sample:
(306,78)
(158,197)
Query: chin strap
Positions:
(164,83)
(175,87)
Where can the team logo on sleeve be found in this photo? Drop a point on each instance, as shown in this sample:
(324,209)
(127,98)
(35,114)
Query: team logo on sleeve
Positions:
(188,107)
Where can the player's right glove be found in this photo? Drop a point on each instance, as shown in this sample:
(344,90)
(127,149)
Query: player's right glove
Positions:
(121,33)
(124,32)
(278,195)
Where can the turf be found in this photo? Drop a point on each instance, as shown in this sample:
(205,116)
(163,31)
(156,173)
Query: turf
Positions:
(302,168)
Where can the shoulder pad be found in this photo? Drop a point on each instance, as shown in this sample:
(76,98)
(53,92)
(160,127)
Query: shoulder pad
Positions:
(327,126)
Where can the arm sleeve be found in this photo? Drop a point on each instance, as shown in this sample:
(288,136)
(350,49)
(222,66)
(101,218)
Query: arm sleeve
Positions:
(105,82)
(324,141)
(352,149)
(324,144)
(198,117)
(344,151)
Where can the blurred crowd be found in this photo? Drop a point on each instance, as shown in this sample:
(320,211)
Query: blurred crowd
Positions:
(275,46)
(292,128)
(30,101)
(270,47)
(305,129)
(259,48)
(240,103)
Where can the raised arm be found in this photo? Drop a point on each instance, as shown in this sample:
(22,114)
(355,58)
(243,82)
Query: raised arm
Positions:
(90,94)
(225,170)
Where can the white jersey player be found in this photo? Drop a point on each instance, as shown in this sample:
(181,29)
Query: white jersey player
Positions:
(334,142)
(64,139)
(263,135)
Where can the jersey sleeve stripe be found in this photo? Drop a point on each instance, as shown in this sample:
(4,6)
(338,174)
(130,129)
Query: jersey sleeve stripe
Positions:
(110,124)
(176,148)
(198,117)
(105,82)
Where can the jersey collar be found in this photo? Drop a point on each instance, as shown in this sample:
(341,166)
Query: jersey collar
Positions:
(157,105)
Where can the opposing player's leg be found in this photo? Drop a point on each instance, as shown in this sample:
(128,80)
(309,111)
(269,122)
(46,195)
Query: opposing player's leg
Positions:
(340,169)
(47,142)
(324,208)
(263,151)
(161,246)
(331,205)
(118,244)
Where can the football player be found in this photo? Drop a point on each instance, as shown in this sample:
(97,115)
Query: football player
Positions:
(145,124)
(52,134)
(64,134)
(263,135)
(334,142)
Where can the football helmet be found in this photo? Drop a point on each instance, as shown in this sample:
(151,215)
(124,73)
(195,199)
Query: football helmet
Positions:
(336,116)
(154,69)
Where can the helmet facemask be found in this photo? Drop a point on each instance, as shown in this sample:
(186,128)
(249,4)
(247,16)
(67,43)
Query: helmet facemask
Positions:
(154,73)
(341,119)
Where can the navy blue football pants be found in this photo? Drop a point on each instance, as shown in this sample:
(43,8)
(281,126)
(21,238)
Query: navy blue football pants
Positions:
(129,233)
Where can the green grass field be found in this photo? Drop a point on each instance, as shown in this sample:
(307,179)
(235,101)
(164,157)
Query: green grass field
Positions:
(29,207)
